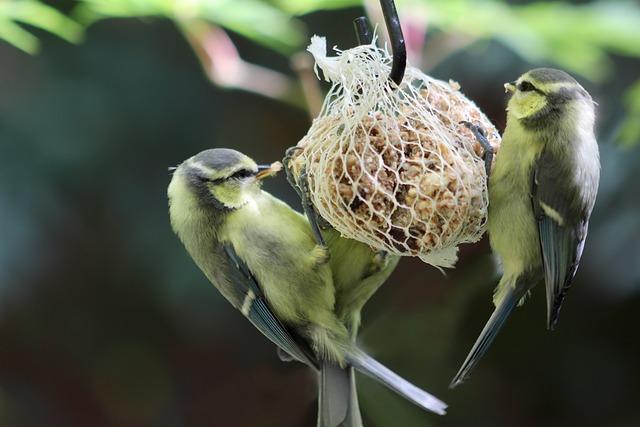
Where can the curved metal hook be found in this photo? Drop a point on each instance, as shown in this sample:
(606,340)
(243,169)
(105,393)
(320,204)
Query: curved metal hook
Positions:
(396,37)
(397,40)
(363,32)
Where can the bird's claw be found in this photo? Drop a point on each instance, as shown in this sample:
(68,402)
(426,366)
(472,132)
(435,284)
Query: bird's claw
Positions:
(474,128)
(378,262)
(481,136)
(301,186)
(308,208)
(286,161)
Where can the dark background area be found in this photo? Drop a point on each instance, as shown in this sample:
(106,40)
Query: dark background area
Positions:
(106,321)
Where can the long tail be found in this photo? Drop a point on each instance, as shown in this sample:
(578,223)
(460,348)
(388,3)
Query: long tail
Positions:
(337,397)
(374,369)
(488,334)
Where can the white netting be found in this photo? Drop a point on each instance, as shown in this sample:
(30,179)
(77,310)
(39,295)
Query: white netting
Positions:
(394,168)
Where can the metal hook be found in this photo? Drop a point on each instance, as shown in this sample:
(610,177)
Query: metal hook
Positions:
(394,29)
(363,33)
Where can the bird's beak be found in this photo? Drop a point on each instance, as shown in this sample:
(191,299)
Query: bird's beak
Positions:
(510,87)
(265,171)
(172,169)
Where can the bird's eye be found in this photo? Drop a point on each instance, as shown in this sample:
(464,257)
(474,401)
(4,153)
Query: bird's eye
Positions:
(206,179)
(525,86)
(242,173)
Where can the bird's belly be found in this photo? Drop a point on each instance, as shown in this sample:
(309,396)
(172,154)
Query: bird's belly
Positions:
(512,228)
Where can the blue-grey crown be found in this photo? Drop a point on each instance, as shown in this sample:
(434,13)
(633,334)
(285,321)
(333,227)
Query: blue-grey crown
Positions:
(219,158)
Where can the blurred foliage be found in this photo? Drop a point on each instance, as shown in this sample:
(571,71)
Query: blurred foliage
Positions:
(589,32)
(630,131)
(303,7)
(254,19)
(578,38)
(35,14)
(588,35)
(105,320)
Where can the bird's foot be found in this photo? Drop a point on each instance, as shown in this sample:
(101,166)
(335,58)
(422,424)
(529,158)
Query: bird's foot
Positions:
(301,186)
(286,161)
(378,263)
(481,136)
(308,208)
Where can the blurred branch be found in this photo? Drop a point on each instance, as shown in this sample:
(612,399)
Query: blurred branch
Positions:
(302,64)
(224,66)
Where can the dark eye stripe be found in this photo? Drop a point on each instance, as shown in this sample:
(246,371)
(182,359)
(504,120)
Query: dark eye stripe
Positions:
(242,173)
(239,174)
(525,86)
(211,181)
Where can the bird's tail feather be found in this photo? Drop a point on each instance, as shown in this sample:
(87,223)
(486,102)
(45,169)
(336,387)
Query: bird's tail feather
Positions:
(374,369)
(502,311)
(337,397)
(353,419)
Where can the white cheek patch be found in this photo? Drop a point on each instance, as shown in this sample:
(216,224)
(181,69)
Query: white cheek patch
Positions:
(552,213)
(182,201)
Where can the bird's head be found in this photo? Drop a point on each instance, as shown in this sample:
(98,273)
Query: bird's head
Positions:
(545,96)
(220,178)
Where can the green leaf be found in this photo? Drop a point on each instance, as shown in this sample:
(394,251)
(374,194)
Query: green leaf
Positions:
(576,37)
(37,15)
(92,10)
(586,35)
(253,19)
(302,7)
(257,21)
(17,36)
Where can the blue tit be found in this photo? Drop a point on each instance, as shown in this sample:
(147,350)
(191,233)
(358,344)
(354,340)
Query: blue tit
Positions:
(263,257)
(358,271)
(541,194)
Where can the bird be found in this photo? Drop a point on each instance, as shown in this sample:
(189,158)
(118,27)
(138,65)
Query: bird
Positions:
(358,272)
(264,259)
(542,190)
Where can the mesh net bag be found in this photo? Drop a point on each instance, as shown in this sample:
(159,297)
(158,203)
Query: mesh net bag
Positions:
(392,166)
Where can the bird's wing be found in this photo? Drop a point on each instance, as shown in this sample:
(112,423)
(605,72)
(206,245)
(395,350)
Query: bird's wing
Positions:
(562,227)
(252,303)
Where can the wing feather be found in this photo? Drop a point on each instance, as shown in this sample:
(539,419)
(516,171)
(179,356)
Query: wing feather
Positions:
(562,227)
(251,301)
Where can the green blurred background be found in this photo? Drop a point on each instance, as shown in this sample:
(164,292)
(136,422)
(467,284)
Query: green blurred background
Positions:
(106,321)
